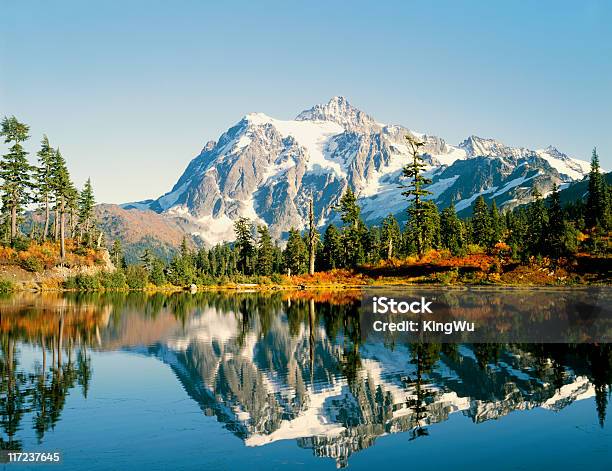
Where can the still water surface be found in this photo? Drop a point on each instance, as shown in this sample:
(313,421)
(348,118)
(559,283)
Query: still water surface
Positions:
(283,381)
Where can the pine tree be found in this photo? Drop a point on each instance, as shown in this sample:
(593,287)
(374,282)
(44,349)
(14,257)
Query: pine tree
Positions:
(497,225)
(349,209)
(72,207)
(265,252)
(537,223)
(597,206)
(244,245)
(147,260)
(451,230)
(390,237)
(44,181)
(116,253)
(354,230)
(157,275)
(295,253)
(86,205)
(518,228)
(313,238)
(556,224)
(481,222)
(62,186)
(332,248)
(417,210)
(15,172)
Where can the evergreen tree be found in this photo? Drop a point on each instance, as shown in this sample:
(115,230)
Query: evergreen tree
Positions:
(597,206)
(295,253)
(157,275)
(518,227)
(44,181)
(390,237)
(537,224)
(116,253)
(451,230)
(418,210)
(244,245)
(265,252)
(497,225)
(313,238)
(72,207)
(86,203)
(202,262)
(354,230)
(426,234)
(15,172)
(481,222)
(332,248)
(556,224)
(372,244)
(349,209)
(62,188)
(147,258)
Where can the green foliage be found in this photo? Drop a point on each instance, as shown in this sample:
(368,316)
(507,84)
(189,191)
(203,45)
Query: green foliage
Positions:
(86,203)
(157,275)
(82,282)
(423,231)
(390,238)
(481,222)
(537,224)
(136,277)
(15,172)
(332,248)
(295,254)
(420,213)
(245,246)
(114,280)
(265,252)
(181,271)
(452,231)
(20,244)
(116,254)
(598,200)
(6,286)
(32,264)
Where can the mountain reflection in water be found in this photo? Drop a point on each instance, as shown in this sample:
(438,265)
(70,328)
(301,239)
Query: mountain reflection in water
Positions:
(276,366)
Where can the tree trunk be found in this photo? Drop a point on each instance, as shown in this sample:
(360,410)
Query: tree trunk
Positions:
(390,248)
(311,239)
(62,232)
(46,230)
(14,221)
(56,225)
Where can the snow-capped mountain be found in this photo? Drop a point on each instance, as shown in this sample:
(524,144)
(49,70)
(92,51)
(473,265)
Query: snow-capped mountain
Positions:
(266,169)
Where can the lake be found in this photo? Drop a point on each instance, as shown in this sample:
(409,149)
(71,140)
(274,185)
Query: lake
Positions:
(284,380)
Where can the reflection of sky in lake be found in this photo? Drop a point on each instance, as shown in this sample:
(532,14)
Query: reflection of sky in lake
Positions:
(280,391)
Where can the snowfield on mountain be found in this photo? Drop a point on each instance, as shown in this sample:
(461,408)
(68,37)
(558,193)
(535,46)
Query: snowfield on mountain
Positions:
(267,169)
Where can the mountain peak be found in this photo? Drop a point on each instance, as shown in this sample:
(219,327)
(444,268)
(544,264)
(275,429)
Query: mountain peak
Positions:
(475,146)
(339,110)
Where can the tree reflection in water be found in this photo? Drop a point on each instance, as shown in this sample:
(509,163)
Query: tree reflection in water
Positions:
(260,361)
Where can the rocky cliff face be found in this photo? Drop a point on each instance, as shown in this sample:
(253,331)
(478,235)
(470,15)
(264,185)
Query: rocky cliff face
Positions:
(266,169)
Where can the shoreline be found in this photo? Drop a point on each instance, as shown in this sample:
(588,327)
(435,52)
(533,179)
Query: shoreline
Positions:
(247,287)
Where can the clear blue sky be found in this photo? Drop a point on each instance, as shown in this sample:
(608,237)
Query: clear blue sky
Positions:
(131,90)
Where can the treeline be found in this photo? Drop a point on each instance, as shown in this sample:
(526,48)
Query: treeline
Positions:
(61,211)
(543,228)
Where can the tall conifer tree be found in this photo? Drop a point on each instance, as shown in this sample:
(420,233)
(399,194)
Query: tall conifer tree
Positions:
(417,210)
(15,172)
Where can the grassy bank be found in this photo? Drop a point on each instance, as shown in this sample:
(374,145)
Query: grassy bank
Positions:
(435,268)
